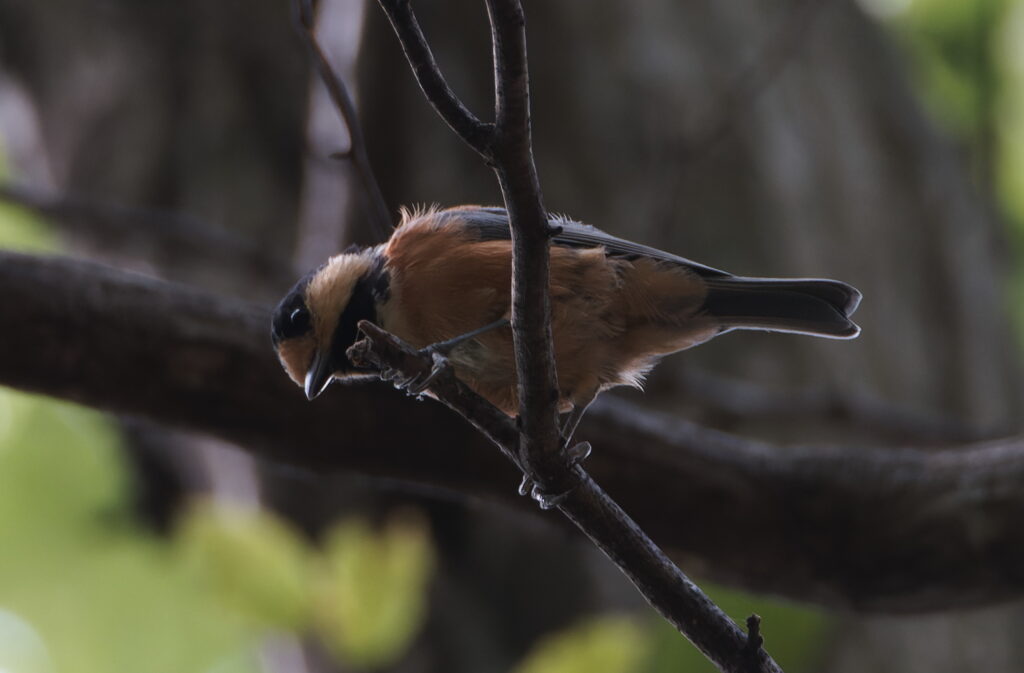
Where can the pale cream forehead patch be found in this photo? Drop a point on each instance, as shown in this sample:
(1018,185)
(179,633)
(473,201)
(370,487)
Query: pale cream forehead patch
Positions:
(330,289)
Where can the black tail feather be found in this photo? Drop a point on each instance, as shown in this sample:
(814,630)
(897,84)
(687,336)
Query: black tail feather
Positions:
(805,306)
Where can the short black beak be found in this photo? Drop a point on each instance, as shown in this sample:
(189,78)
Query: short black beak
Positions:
(318,376)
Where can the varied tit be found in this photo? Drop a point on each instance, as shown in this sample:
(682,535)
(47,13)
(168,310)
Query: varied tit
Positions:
(616,307)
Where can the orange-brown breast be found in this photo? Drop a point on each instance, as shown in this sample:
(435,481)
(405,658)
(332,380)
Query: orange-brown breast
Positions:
(609,316)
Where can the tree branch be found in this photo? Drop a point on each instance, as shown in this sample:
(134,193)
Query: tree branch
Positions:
(540,441)
(590,508)
(727,400)
(539,449)
(198,241)
(302,11)
(884,530)
(464,123)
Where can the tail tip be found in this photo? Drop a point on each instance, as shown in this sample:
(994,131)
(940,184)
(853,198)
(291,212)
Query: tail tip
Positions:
(852,302)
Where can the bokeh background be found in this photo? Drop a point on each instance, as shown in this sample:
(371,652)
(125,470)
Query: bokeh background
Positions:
(880,142)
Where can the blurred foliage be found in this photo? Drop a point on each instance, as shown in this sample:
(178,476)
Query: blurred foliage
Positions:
(606,644)
(364,593)
(253,562)
(797,637)
(1009,48)
(22,650)
(372,599)
(83,585)
(967,59)
(92,590)
(951,46)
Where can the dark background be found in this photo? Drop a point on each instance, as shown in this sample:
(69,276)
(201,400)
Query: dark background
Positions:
(796,138)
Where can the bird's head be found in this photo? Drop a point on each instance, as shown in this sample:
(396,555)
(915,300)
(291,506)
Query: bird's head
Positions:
(316,322)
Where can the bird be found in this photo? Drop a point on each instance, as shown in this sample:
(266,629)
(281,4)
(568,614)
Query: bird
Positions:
(617,307)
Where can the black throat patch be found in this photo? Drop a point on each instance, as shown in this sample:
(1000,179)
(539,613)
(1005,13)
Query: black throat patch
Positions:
(372,288)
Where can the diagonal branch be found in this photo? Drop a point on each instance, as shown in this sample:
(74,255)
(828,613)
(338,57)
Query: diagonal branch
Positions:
(592,510)
(302,11)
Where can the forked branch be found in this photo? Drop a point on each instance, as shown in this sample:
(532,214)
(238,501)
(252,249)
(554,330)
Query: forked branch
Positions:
(506,147)
(474,132)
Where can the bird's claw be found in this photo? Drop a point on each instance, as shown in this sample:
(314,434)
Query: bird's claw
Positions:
(545,500)
(414,386)
(576,455)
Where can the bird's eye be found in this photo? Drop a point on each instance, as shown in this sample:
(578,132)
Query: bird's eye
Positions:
(299,318)
(291,319)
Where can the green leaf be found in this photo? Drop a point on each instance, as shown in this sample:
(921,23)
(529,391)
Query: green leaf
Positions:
(373,595)
(255,562)
(103,594)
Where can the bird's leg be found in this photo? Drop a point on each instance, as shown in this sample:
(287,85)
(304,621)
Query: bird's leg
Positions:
(446,347)
(439,352)
(575,454)
(572,421)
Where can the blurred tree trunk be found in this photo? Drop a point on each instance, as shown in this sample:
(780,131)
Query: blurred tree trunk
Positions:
(831,170)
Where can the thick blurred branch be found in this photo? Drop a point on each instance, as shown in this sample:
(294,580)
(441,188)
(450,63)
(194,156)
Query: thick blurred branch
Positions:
(864,528)
(728,400)
(199,241)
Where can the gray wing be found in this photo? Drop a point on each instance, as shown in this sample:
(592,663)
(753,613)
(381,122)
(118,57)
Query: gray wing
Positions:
(491,224)
(758,301)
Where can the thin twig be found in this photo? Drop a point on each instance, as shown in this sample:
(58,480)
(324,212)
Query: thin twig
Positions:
(302,11)
(507,148)
(755,641)
(475,133)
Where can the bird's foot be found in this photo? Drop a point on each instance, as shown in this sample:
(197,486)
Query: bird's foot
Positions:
(415,386)
(546,500)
